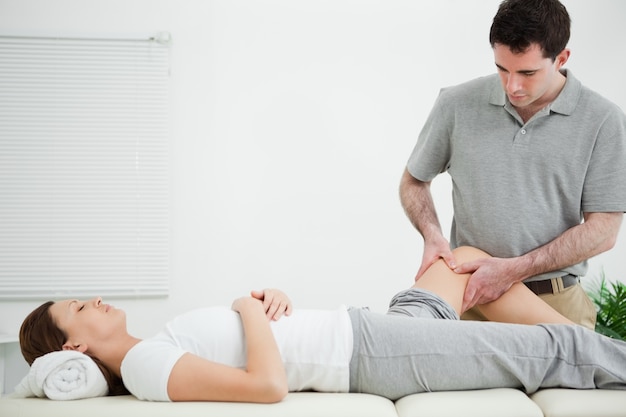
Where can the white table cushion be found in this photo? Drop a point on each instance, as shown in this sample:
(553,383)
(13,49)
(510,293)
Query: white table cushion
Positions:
(480,403)
(483,403)
(581,403)
(295,404)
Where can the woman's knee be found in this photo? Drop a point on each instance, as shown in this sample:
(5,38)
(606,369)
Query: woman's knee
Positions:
(468,253)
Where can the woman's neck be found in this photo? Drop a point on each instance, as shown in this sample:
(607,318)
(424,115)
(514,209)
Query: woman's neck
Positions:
(113,354)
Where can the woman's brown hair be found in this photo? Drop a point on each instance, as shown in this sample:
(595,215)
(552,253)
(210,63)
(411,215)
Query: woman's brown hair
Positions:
(39,335)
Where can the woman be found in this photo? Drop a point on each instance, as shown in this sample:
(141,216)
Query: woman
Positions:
(247,354)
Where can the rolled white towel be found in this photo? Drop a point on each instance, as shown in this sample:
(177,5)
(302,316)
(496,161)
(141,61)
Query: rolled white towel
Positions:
(63,375)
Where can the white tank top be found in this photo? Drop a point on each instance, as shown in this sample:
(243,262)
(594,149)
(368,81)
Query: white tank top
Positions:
(316,347)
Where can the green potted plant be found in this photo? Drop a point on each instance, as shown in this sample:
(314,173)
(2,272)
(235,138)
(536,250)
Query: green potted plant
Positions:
(609,298)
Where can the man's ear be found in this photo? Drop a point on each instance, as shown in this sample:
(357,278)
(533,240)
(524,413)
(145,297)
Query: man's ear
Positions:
(562,58)
(80,347)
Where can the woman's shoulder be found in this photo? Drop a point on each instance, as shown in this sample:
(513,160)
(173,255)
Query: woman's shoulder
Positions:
(146,368)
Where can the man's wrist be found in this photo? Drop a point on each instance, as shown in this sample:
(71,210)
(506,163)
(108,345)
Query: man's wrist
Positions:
(521,268)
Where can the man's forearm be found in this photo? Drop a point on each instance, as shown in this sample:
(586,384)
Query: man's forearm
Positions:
(419,207)
(596,235)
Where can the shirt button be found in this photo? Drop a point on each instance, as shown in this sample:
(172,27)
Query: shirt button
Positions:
(523,131)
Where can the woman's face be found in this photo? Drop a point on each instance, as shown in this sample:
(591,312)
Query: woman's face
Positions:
(86,323)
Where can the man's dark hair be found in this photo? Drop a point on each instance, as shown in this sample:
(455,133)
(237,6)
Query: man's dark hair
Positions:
(520,23)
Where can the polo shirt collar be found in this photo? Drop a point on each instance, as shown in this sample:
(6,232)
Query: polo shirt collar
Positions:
(565,102)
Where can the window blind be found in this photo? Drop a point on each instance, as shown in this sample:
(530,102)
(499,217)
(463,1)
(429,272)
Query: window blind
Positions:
(84,168)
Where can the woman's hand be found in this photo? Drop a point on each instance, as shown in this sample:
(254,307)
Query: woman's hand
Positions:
(275,302)
(240,304)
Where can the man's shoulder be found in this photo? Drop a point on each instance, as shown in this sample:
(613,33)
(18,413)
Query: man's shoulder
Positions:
(486,82)
(588,100)
(598,102)
(477,90)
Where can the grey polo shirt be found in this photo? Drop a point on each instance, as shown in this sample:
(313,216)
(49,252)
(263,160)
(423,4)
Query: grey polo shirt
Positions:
(518,186)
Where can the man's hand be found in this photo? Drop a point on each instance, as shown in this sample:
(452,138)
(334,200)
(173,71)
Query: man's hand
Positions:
(418,205)
(275,302)
(433,252)
(491,277)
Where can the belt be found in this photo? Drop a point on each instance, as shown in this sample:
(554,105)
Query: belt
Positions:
(546,286)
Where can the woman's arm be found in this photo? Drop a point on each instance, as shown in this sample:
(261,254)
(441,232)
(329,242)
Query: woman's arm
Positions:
(264,381)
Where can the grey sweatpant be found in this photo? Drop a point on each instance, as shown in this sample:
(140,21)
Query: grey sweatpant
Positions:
(408,351)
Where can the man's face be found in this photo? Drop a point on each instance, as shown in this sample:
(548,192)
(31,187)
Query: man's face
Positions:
(528,78)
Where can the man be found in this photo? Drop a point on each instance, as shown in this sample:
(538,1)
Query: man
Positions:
(538,167)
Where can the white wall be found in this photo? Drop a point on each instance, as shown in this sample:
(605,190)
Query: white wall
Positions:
(292,122)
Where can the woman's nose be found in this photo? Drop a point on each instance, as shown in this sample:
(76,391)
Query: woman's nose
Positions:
(97,301)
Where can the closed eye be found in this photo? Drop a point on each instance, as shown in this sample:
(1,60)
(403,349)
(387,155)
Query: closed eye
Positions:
(527,73)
